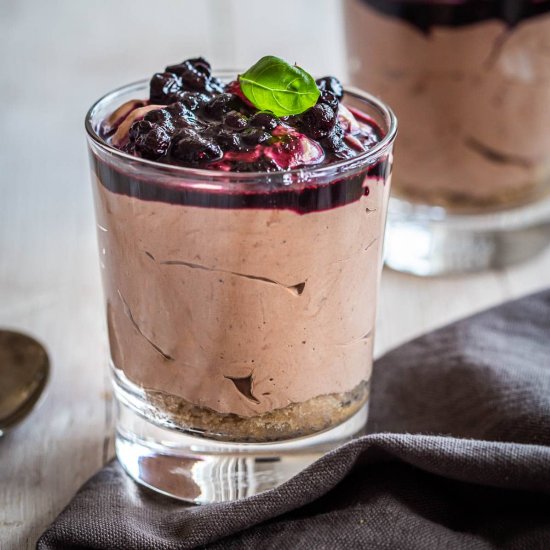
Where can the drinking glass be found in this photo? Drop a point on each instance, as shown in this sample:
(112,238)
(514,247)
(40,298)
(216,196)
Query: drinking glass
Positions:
(240,309)
(470,83)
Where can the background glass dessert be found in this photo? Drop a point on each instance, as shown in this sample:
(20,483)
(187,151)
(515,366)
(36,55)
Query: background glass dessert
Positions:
(241,305)
(470,82)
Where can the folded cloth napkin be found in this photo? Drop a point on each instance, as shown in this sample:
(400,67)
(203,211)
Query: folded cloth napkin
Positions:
(458,457)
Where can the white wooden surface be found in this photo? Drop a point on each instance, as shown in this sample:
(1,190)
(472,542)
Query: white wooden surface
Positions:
(56,57)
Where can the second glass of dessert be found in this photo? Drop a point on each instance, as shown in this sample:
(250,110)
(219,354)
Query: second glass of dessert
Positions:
(470,83)
(240,233)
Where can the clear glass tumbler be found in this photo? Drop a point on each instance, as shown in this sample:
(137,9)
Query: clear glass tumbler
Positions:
(240,310)
(470,83)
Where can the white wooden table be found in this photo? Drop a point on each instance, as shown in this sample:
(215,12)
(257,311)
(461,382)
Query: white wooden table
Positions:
(56,58)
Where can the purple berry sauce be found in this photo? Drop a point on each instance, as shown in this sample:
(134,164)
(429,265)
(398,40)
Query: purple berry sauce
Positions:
(425,14)
(192,119)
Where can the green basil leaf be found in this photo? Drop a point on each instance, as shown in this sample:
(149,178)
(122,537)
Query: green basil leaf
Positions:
(274,85)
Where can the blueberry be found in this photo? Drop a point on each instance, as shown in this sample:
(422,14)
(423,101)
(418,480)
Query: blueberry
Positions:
(181,116)
(318,121)
(198,63)
(193,100)
(228,141)
(138,128)
(189,75)
(154,144)
(334,140)
(194,150)
(176,69)
(235,120)
(164,88)
(178,110)
(195,74)
(331,84)
(201,65)
(215,85)
(267,121)
(334,143)
(158,116)
(161,117)
(328,98)
(220,105)
(255,136)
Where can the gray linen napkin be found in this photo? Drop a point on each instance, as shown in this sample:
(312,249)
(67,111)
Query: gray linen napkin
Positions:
(459,458)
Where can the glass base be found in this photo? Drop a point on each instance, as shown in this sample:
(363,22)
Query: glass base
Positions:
(199,470)
(428,240)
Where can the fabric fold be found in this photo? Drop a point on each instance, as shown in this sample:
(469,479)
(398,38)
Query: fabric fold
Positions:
(458,457)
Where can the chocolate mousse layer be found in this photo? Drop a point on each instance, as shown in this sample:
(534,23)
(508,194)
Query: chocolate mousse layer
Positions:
(470,83)
(245,323)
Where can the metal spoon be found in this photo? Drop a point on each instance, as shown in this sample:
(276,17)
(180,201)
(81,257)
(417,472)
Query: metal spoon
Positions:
(24,371)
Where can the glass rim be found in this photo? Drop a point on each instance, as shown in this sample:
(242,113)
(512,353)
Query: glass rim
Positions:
(303,173)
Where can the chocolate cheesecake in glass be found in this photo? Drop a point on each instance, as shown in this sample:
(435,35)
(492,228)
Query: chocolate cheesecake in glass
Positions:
(240,254)
(470,83)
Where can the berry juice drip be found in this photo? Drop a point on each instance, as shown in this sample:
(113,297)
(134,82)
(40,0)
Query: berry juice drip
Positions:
(301,200)
(431,13)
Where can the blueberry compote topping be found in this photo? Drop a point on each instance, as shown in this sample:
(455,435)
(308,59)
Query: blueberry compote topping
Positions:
(193,119)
